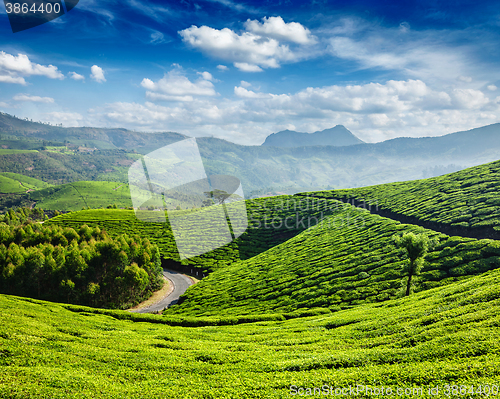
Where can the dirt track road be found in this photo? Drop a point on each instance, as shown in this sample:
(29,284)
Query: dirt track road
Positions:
(180,283)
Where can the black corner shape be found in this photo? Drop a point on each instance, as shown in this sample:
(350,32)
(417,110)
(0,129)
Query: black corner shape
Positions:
(26,14)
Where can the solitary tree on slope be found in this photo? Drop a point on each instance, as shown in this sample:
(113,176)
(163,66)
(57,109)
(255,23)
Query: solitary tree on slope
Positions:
(416,247)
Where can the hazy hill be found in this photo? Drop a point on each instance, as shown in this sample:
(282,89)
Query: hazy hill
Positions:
(99,138)
(262,169)
(337,136)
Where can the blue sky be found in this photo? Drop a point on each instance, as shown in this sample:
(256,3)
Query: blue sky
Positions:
(243,70)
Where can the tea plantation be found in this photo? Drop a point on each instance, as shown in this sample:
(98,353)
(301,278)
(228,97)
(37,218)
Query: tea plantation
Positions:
(468,198)
(346,260)
(271,221)
(445,338)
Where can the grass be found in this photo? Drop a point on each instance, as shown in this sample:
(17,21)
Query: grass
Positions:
(83,194)
(10,186)
(14,183)
(468,198)
(444,336)
(348,260)
(4,151)
(26,182)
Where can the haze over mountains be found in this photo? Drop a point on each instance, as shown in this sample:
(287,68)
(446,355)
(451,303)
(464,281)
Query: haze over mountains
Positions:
(337,136)
(262,169)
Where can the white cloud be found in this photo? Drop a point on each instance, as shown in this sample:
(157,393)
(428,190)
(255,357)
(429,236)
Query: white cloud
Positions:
(276,28)
(245,67)
(373,111)
(222,68)
(176,87)
(415,54)
(13,69)
(97,74)
(491,87)
(244,93)
(12,79)
(76,76)
(34,99)
(206,75)
(245,84)
(248,52)
(157,38)
(469,98)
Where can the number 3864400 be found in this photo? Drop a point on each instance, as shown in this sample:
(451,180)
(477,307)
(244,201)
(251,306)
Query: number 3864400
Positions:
(25,8)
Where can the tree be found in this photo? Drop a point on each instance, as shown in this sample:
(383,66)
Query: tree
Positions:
(416,247)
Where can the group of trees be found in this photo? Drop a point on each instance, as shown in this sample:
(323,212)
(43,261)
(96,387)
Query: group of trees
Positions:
(84,267)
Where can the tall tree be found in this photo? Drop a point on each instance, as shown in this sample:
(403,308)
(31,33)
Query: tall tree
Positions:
(416,247)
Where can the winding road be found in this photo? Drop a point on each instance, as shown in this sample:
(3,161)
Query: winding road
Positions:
(180,283)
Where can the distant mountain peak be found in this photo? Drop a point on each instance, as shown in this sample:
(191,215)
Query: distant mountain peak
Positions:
(337,136)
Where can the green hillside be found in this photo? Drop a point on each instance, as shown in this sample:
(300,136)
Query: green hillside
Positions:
(266,218)
(348,259)
(446,339)
(8,185)
(83,194)
(58,167)
(466,199)
(14,183)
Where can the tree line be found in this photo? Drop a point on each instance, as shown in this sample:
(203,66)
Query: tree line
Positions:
(84,266)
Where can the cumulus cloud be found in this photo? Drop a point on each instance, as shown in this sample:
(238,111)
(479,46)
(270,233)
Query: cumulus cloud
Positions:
(373,111)
(97,74)
(222,68)
(258,47)
(244,93)
(277,28)
(14,69)
(466,79)
(174,86)
(206,75)
(34,99)
(76,76)
(491,87)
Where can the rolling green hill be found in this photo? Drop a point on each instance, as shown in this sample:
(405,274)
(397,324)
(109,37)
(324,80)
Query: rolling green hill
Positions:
(16,183)
(266,219)
(467,200)
(348,259)
(83,194)
(445,338)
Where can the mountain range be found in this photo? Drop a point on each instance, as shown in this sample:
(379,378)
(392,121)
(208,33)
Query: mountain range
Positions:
(337,136)
(262,169)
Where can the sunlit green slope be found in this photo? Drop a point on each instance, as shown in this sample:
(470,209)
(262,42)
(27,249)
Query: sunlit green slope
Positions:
(348,259)
(441,337)
(467,199)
